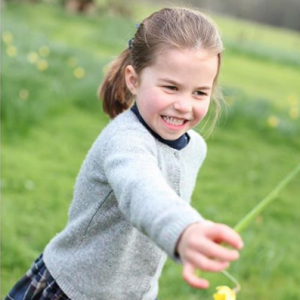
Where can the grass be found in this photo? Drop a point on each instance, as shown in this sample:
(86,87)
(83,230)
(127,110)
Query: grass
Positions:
(257,81)
(46,135)
(266,42)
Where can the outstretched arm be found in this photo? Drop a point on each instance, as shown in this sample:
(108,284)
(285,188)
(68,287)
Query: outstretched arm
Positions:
(199,247)
(144,195)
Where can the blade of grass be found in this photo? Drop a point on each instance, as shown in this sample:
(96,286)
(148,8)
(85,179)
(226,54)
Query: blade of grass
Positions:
(244,222)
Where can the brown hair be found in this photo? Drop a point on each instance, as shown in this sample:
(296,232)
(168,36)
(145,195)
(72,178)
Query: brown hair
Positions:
(179,28)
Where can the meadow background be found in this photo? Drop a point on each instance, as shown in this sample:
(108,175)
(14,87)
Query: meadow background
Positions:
(52,64)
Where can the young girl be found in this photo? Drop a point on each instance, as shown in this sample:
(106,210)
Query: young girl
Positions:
(131,200)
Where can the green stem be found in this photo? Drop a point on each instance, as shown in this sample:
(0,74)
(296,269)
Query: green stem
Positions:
(255,212)
(267,200)
(234,280)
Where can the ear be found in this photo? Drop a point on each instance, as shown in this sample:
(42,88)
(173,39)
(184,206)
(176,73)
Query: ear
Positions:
(131,79)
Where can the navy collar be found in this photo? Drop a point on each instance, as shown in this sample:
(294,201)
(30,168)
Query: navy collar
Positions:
(178,144)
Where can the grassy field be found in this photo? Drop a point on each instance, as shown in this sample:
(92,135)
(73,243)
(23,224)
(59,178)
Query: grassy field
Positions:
(51,68)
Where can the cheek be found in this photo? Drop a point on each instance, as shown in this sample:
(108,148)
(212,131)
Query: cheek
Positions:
(147,105)
(153,101)
(201,112)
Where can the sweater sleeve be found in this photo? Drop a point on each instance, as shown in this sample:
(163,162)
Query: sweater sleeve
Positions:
(143,194)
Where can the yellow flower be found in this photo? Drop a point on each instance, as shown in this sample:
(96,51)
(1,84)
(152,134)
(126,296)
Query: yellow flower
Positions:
(273,121)
(7,38)
(23,94)
(79,73)
(72,62)
(42,65)
(293,99)
(44,51)
(294,113)
(11,51)
(32,57)
(224,293)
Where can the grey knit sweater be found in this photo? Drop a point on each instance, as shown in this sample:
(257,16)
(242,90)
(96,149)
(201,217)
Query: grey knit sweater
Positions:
(130,205)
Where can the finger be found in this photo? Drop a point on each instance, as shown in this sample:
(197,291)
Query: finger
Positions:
(190,277)
(206,264)
(213,250)
(221,233)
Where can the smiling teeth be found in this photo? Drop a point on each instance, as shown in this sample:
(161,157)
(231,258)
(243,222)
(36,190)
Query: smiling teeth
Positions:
(173,121)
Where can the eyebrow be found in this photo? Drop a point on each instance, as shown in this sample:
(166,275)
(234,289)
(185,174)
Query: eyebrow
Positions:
(173,82)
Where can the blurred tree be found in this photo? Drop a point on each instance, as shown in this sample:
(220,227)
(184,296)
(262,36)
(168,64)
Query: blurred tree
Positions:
(81,6)
(117,7)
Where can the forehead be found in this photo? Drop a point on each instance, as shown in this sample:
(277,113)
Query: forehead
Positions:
(185,64)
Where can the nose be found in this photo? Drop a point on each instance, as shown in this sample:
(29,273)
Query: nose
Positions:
(183,105)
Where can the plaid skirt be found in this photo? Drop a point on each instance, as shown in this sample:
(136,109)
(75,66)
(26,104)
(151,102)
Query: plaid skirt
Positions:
(37,284)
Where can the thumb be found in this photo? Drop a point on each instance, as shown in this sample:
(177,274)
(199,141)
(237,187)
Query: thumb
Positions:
(189,276)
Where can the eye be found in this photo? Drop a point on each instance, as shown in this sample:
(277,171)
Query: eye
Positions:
(171,87)
(200,93)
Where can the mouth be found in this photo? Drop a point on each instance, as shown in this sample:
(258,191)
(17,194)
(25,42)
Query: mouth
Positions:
(174,121)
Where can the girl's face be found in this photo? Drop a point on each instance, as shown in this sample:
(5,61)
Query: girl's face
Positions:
(173,94)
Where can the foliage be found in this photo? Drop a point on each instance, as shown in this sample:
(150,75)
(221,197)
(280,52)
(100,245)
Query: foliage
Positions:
(116,7)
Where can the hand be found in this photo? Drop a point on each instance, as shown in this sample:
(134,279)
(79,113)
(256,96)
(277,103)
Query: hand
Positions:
(199,248)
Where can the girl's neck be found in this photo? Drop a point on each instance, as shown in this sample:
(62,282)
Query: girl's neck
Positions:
(177,144)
